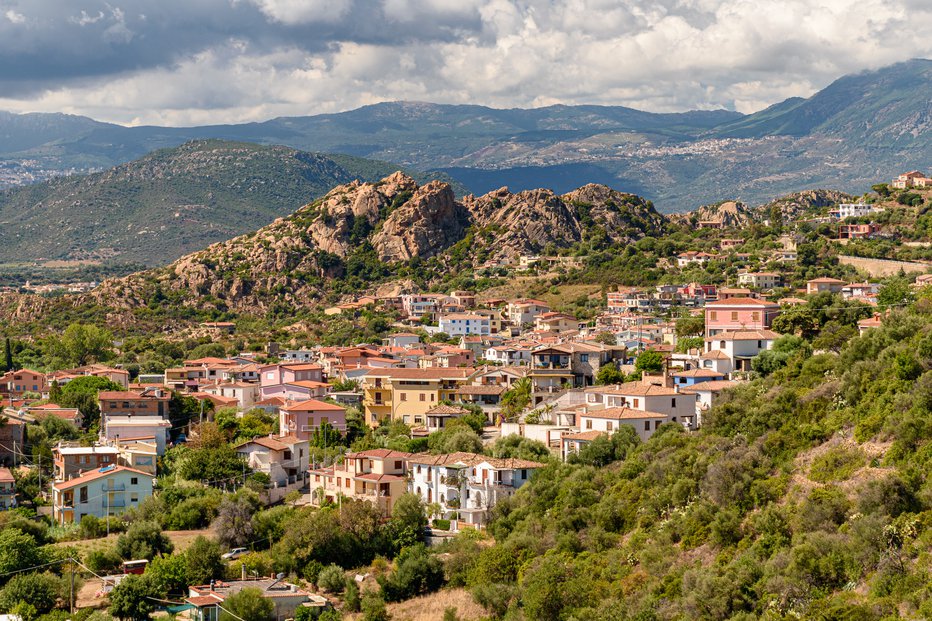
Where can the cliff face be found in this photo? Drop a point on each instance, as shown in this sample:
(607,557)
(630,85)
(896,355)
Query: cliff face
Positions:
(293,260)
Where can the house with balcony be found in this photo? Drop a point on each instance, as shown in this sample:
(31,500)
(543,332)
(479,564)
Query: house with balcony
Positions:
(148,402)
(407,394)
(465,324)
(739,314)
(245,394)
(911,179)
(285,459)
(378,476)
(764,281)
(555,322)
(525,311)
(103,492)
(467,485)
(292,381)
(7,489)
(575,363)
(119,428)
(860,290)
(303,418)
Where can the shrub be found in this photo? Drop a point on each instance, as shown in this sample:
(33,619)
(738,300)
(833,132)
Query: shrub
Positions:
(103,560)
(418,572)
(331,579)
(836,464)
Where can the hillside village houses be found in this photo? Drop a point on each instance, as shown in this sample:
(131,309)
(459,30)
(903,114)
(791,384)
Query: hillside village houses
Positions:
(492,345)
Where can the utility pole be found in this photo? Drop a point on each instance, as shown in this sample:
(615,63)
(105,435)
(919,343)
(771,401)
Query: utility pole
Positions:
(71,597)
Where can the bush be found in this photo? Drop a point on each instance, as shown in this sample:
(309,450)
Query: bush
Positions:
(331,579)
(103,560)
(442,524)
(373,607)
(143,540)
(836,464)
(351,599)
(417,572)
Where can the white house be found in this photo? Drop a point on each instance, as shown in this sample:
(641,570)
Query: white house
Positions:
(644,397)
(740,347)
(509,355)
(123,428)
(465,324)
(107,491)
(467,484)
(706,394)
(610,420)
(285,459)
(522,312)
(853,210)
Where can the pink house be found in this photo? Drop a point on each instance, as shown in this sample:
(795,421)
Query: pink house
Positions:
(301,419)
(296,382)
(739,314)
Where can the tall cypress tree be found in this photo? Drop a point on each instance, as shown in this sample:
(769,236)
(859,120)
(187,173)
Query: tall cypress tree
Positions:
(9,354)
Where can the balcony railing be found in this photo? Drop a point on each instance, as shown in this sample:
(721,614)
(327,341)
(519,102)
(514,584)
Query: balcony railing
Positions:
(116,487)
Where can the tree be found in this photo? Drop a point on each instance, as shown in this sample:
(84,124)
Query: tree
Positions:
(81,344)
(518,447)
(605,338)
(203,560)
(690,326)
(143,540)
(649,361)
(248,605)
(38,590)
(169,574)
(408,519)
(609,374)
(516,399)
(81,393)
(8,354)
(234,522)
(373,607)
(834,336)
(18,550)
(132,598)
(896,291)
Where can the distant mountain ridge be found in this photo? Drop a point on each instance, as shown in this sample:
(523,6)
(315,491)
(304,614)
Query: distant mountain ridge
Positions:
(860,128)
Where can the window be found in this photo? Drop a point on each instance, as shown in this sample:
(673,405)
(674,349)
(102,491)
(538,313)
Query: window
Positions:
(755,316)
(404,396)
(637,403)
(608,426)
(673,402)
(713,316)
(270,375)
(523,474)
(759,344)
(721,344)
(584,357)
(134,481)
(134,497)
(83,494)
(397,465)
(421,396)
(656,424)
(647,425)
(734,315)
(432,397)
(589,424)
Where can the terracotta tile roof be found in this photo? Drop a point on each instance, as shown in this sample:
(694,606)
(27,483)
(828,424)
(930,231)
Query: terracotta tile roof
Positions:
(586,436)
(622,414)
(96,474)
(6,476)
(698,373)
(741,302)
(380,454)
(446,410)
(636,389)
(713,386)
(313,405)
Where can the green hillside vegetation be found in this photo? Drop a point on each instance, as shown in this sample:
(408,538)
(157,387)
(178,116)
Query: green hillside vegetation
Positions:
(169,203)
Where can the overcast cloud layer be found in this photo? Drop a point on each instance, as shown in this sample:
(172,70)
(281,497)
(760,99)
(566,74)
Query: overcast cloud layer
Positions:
(185,62)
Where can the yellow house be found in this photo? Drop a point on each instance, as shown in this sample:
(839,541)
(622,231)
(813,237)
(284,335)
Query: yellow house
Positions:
(407,394)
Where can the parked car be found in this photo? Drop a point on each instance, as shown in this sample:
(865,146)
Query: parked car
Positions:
(235,553)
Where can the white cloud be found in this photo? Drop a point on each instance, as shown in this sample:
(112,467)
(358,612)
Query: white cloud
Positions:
(311,56)
(14,18)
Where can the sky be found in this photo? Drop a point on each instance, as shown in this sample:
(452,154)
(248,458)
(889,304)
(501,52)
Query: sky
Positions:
(193,62)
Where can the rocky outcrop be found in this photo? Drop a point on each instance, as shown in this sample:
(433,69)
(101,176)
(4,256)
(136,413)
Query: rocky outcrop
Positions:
(801,204)
(294,260)
(428,223)
(728,214)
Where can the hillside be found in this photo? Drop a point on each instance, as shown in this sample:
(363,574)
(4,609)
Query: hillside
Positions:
(360,234)
(857,130)
(168,203)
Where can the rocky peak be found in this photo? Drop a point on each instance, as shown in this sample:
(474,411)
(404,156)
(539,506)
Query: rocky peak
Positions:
(426,224)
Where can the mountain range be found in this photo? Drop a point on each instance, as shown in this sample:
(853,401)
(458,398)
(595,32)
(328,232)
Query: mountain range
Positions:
(858,129)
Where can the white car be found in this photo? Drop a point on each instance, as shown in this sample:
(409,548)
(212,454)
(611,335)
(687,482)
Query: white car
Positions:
(235,553)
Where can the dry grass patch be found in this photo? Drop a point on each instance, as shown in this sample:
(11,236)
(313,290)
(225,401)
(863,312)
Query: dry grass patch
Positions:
(431,607)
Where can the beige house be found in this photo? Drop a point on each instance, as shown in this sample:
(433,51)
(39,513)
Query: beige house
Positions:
(377,476)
